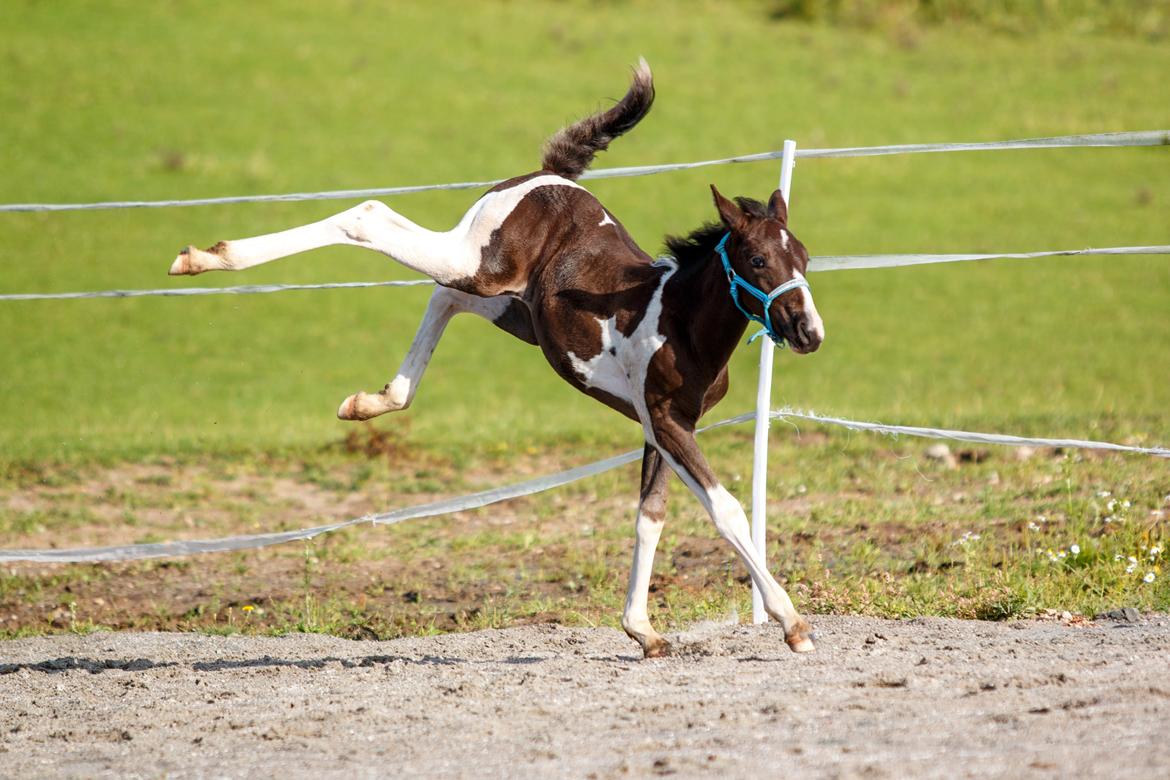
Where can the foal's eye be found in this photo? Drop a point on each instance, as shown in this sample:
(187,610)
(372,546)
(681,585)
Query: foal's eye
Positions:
(757,261)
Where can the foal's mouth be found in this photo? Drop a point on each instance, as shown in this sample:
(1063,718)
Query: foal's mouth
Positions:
(804,334)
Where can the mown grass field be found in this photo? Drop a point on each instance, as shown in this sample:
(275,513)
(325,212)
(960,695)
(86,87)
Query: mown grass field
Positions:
(186,100)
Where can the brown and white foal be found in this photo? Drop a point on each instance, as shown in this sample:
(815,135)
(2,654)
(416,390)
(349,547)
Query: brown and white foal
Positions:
(541,258)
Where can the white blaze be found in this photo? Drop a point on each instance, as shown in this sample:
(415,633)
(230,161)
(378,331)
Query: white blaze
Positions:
(815,325)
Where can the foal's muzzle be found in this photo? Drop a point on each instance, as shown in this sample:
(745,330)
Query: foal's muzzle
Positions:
(803,330)
(805,336)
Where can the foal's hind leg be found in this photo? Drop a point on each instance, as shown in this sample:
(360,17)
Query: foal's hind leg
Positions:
(651,518)
(675,439)
(442,256)
(505,312)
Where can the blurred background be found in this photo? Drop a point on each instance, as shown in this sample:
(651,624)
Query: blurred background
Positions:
(122,100)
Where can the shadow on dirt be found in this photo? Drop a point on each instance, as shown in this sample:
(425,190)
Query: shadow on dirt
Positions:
(99,665)
(91,665)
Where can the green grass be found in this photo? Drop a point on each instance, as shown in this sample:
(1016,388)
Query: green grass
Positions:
(857,525)
(177,100)
(1146,18)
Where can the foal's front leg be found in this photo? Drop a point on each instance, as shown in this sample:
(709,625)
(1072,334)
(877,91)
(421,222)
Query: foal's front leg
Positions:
(373,225)
(675,439)
(444,304)
(651,518)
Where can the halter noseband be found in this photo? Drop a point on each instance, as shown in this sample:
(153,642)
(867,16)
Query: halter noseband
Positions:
(738,283)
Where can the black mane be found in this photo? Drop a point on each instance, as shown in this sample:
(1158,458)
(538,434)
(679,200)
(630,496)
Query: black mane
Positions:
(696,247)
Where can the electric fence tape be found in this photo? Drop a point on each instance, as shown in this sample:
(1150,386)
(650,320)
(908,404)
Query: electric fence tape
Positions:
(824,263)
(1094,140)
(527,487)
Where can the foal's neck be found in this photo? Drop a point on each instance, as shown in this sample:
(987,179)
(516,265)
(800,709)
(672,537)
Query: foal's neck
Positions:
(706,314)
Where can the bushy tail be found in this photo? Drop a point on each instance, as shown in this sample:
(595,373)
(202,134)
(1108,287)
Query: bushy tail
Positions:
(570,151)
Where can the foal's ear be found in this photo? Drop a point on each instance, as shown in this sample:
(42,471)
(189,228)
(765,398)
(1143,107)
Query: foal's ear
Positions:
(777,208)
(730,213)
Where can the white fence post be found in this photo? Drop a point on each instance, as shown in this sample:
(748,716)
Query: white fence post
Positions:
(763,409)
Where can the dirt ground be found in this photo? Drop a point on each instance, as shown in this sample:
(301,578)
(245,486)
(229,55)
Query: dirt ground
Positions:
(921,698)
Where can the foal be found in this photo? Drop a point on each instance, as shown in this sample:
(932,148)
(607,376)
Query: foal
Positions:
(542,259)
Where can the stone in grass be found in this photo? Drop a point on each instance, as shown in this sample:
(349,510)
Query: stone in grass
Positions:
(1124,615)
(942,453)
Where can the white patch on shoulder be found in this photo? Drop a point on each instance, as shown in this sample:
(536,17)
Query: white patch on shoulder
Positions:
(620,367)
(606,219)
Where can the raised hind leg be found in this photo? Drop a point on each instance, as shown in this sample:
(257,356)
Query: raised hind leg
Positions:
(651,518)
(675,439)
(505,312)
(444,257)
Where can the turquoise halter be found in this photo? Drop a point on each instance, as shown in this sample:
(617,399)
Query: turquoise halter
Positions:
(739,283)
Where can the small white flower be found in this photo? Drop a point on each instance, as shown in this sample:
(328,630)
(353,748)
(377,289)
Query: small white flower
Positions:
(1062,554)
(1117,556)
(1103,494)
(1150,577)
(1033,527)
(1125,504)
(1075,549)
(1042,518)
(1155,551)
(1132,560)
(1131,568)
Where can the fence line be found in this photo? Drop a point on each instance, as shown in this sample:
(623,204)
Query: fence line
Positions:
(971,437)
(528,487)
(819,264)
(858,262)
(1093,140)
(246,289)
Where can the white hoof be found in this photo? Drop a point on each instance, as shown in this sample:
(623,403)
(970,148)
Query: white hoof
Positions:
(364,406)
(193,261)
(348,408)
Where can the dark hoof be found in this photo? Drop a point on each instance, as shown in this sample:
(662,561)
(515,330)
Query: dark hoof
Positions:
(657,650)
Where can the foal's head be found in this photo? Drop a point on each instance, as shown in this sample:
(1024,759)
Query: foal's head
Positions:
(765,254)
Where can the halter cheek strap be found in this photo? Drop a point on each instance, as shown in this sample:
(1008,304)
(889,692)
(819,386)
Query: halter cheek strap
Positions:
(739,283)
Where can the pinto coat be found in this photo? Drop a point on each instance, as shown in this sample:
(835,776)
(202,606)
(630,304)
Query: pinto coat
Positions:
(542,258)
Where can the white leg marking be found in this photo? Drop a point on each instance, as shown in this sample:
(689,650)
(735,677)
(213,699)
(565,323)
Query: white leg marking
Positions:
(445,257)
(732,525)
(635,617)
(444,304)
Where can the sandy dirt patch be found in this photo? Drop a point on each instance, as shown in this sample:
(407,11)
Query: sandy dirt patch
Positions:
(925,698)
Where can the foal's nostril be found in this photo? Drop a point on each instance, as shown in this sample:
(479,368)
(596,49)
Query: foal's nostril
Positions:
(802,332)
